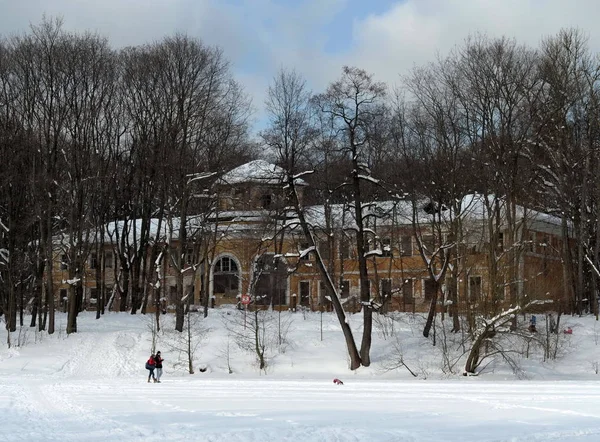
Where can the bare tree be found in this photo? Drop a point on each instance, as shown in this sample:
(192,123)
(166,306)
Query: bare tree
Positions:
(353,102)
(290,134)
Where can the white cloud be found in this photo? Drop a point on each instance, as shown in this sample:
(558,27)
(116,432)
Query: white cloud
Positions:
(415,31)
(260,36)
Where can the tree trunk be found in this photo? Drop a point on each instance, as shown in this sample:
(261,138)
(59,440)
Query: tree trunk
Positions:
(355,360)
(431,313)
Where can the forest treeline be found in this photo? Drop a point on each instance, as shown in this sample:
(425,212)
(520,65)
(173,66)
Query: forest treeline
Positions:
(91,135)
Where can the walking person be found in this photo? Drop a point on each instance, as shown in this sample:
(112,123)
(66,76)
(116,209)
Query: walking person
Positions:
(150,366)
(159,360)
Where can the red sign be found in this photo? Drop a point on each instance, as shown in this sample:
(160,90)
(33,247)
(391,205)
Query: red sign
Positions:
(246,299)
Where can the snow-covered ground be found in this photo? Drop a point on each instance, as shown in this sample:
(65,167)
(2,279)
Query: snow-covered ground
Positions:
(92,385)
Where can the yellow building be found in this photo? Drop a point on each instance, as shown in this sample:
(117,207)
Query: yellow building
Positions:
(252,245)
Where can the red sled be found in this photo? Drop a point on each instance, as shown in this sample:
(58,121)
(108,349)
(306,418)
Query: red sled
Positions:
(568,331)
(337,382)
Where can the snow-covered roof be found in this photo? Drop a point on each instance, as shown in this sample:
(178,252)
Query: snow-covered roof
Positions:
(257,171)
(376,214)
(475,207)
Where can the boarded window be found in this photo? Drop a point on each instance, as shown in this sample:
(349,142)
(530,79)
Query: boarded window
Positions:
(63,262)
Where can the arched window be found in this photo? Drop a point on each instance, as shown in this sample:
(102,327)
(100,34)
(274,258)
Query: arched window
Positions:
(226,277)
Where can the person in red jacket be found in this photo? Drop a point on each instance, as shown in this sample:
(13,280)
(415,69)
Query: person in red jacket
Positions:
(159,360)
(150,366)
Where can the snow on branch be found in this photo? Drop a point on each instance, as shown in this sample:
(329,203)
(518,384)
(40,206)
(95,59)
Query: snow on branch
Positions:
(369,178)
(199,176)
(374,252)
(301,174)
(305,252)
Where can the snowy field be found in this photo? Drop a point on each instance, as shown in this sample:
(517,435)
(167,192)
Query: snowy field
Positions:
(91,386)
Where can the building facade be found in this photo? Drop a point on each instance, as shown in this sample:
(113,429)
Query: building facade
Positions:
(252,244)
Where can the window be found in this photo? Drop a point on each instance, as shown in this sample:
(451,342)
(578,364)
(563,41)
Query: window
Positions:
(500,242)
(63,262)
(172,256)
(345,288)
(367,245)
(324,249)
(386,288)
(266,200)
(93,261)
(63,297)
(225,265)
(189,256)
(226,277)
(429,288)
(386,247)
(345,248)
(323,292)
(108,260)
(305,293)
(406,245)
(407,291)
(531,242)
(93,294)
(172,293)
(474,288)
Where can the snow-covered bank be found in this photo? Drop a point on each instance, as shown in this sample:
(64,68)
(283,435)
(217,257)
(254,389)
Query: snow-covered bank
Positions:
(92,386)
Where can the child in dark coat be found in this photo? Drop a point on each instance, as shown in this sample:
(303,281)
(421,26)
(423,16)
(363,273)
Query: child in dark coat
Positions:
(159,360)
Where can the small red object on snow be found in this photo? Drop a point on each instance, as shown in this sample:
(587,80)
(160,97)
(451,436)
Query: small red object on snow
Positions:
(568,331)
(337,382)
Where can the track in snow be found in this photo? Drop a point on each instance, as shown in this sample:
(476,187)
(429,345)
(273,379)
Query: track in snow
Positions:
(263,410)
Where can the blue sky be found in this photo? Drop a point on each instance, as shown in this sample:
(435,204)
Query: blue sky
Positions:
(315,37)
